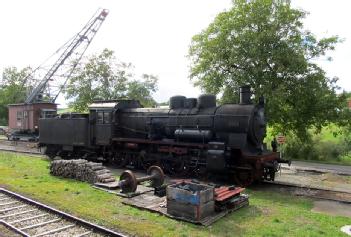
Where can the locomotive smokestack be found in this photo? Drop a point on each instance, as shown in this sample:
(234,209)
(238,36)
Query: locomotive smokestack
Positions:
(245,94)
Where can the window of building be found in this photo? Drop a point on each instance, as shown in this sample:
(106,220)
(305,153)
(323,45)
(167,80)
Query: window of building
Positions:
(19,115)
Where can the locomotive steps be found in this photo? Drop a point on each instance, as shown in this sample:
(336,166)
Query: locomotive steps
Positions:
(82,170)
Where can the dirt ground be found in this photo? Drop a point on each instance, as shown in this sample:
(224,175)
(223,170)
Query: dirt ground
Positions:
(315,179)
(4,232)
(332,208)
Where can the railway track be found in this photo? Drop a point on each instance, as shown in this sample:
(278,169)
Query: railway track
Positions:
(25,217)
(19,147)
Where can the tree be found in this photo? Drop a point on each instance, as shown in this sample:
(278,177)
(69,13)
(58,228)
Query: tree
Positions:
(262,43)
(105,78)
(142,90)
(13,89)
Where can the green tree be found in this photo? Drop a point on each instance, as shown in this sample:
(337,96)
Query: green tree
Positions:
(103,77)
(262,43)
(13,87)
(142,90)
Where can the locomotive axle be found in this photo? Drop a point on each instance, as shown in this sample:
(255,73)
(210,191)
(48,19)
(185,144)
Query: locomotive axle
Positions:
(129,182)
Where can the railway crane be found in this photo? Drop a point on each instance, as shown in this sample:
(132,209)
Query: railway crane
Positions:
(51,78)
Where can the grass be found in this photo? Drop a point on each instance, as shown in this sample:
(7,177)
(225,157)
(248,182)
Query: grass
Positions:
(269,214)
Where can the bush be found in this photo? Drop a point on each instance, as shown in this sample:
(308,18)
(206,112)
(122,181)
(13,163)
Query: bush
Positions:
(3,122)
(315,148)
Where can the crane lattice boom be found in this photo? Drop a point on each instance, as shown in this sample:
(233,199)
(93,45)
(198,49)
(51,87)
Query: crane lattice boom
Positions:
(55,78)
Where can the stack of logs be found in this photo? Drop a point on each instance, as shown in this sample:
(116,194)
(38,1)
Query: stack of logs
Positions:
(82,170)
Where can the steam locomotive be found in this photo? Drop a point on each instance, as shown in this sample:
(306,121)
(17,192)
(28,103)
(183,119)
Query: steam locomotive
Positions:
(191,136)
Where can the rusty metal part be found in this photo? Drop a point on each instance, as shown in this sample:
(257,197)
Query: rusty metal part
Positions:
(156,175)
(224,193)
(128,181)
(245,175)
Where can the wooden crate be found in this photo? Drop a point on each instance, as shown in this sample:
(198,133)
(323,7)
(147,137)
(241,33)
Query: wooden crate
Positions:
(191,201)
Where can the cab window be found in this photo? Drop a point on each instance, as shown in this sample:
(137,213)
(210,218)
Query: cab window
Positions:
(100,117)
(107,117)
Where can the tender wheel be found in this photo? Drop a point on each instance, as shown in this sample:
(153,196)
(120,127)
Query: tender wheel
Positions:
(128,182)
(157,176)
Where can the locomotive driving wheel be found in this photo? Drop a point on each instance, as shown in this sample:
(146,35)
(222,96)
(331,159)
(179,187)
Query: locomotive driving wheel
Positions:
(120,159)
(244,176)
(174,166)
(177,168)
(143,159)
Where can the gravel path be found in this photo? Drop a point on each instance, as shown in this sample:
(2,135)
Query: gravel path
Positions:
(310,166)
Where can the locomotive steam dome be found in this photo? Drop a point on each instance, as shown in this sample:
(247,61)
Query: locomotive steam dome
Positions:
(177,102)
(206,101)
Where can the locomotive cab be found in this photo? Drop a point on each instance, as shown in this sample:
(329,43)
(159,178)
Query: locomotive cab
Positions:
(104,119)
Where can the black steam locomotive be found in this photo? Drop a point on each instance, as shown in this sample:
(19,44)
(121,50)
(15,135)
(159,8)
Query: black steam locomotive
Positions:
(191,136)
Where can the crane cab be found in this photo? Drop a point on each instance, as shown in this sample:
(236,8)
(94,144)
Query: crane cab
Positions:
(24,119)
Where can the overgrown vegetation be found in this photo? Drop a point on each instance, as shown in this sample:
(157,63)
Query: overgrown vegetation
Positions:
(269,214)
(331,145)
(14,84)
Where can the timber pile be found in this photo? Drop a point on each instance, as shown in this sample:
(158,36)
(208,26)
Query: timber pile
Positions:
(82,170)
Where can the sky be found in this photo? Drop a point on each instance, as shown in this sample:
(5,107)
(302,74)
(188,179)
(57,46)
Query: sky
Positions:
(153,35)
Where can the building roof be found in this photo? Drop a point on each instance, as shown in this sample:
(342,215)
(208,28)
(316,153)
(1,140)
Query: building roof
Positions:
(21,104)
(115,104)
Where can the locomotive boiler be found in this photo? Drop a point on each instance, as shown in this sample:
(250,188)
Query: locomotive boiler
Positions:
(192,136)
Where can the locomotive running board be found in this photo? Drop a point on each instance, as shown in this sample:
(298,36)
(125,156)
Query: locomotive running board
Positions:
(160,142)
